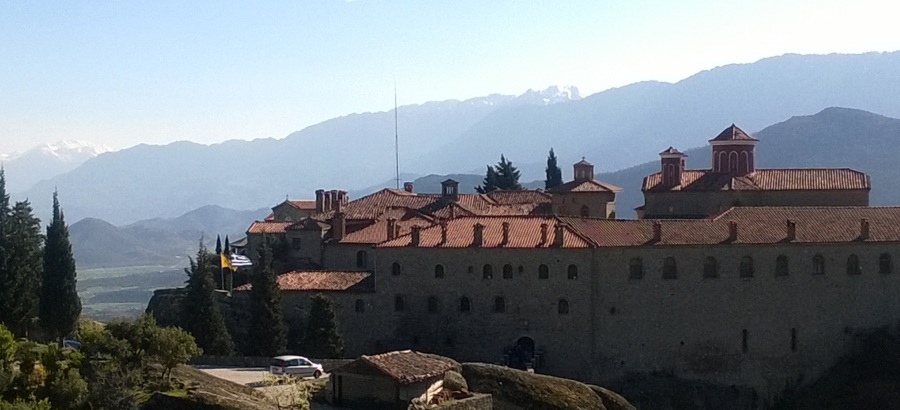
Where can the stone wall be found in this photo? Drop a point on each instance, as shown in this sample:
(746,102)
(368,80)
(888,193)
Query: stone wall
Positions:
(478,401)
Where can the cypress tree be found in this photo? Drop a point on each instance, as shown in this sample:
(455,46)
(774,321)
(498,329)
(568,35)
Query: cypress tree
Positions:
(200,310)
(227,246)
(490,181)
(322,339)
(218,245)
(21,284)
(267,329)
(5,212)
(554,174)
(507,175)
(60,305)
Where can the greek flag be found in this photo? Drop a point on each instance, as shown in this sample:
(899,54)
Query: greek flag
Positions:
(240,260)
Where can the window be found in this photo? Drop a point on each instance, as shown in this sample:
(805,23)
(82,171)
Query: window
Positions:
(464,304)
(572,272)
(585,211)
(399,303)
(793,339)
(746,267)
(885,264)
(499,304)
(487,272)
(439,271)
(670,268)
(563,307)
(360,306)
(296,243)
(471,269)
(433,305)
(710,267)
(361,259)
(744,346)
(818,265)
(853,267)
(781,266)
(635,269)
(507,271)
(543,272)
(395,269)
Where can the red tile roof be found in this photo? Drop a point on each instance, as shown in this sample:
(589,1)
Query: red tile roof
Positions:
(377,232)
(305,204)
(406,367)
(268,227)
(764,180)
(733,133)
(316,280)
(591,185)
(524,232)
(529,196)
(672,151)
(755,225)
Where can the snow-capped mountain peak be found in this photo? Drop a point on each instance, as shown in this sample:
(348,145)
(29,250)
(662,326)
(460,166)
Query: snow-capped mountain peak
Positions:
(69,150)
(551,95)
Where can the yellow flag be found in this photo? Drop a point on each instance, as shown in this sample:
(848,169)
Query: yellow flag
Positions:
(226,263)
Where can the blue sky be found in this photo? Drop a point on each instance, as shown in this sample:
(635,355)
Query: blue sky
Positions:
(123,73)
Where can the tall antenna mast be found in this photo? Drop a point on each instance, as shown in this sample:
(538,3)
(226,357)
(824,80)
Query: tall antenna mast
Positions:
(396,139)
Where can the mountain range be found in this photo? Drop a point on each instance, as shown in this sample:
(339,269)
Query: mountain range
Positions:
(46,161)
(614,129)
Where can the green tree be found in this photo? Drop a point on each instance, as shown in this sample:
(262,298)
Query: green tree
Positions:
(490,181)
(60,305)
(8,347)
(507,175)
(322,338)
(172,346)
(5,213)
(218,245)
(268,333)
(200,310)
(227,248)
(554,173)
(21,281)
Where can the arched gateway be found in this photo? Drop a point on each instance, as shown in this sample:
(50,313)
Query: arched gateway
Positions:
(521,354)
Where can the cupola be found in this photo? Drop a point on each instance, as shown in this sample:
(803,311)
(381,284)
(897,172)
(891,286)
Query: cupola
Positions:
(732,152)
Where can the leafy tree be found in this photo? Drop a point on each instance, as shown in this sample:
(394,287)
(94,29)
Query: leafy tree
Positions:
(21,281)
(8,349)
(60,305)
(501,176)
(554,173)
(172,346)
(200,310)
(268,334)
(322,339)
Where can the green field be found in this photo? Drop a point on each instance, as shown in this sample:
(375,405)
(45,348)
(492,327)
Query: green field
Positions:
(108,293)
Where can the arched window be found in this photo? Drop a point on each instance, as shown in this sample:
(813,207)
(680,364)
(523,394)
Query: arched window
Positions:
(853,267)
(818,265)
(395,269)
(543,272)
(746,267)
(572,272)
(433,305)
(487,272)
(585,211)
(360,305)
(507,271)
(885,264)
(710,267)
(733,161)
(723,164)
(439,271)
(361,259)
(745,161)
(563,307)
(670,268)
(636,269)
(399,303)
(781,266)
(464,304)
(499,304)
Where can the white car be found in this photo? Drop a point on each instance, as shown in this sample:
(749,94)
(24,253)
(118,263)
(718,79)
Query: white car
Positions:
(298,366)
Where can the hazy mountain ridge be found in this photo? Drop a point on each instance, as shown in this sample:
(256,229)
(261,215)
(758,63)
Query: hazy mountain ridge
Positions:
(46,161)
(613,129)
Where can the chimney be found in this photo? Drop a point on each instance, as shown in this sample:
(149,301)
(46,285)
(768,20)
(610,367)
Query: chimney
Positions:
(339,202)
(671,167)
(415,233)
(342,196)
(478,235)
(443,232)
(791,230)
(657,231)
(449,190)
(338,226)
(558,235)
(327,201)
(864,228)
(408,186)
(505,233)
(320,200)
(732,231)
(334,199)
(544,228)
(391,228)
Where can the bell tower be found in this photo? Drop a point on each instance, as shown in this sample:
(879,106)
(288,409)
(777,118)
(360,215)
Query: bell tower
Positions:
(732,152)
(671,166)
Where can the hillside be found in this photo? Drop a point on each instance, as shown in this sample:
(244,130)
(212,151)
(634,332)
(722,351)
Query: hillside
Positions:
(613,129)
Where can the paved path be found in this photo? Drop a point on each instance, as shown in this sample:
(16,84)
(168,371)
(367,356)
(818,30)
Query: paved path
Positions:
(256,377)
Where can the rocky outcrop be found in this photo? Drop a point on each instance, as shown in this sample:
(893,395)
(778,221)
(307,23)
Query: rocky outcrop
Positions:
(516,389)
